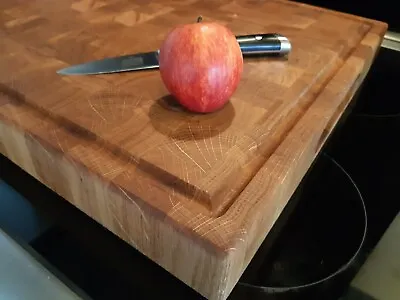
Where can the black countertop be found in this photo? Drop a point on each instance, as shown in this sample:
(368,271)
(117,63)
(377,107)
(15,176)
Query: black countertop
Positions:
(383,10)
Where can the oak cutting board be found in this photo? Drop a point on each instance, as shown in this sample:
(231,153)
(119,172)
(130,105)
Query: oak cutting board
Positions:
(195,193)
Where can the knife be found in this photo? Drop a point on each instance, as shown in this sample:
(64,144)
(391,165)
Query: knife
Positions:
(257,44)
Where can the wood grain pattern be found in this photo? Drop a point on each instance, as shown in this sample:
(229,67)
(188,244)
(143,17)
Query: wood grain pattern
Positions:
(195,193)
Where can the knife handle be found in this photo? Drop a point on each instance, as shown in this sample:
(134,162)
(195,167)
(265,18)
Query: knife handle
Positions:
(267,44)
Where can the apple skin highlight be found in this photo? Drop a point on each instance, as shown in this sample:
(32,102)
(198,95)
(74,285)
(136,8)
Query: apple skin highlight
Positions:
(201,65)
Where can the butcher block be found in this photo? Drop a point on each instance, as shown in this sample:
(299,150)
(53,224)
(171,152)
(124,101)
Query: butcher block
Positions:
(196,193)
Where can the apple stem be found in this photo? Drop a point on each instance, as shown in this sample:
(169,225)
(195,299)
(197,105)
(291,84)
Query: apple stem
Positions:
(199,19)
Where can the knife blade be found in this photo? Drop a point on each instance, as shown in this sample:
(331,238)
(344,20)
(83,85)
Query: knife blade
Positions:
(257,44)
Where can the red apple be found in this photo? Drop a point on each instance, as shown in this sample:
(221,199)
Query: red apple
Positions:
(201,65)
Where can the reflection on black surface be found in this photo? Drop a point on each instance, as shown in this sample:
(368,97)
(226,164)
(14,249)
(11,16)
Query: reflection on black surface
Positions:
(319,248)
(324,233)
(368,146)
(380,94)
(107,268)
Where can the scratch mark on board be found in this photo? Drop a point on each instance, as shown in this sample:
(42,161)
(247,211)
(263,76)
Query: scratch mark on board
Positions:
(170,200)
(204,140)
(175,208)
(173,153)
(58,140)
(220,143)
(188,156)
(128,236)
(196,219)
(198,147)
(187,173)
(139,209)
(214,228)
(163,157)
(114,171)
(96,111)
(253,146)
(212,146)
(206,222)
(42,146)
(123,107)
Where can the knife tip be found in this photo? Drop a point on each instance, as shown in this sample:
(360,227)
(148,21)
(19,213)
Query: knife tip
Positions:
(72,71)
(66,72)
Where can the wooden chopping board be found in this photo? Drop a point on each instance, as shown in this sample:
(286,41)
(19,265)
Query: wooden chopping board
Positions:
(195,193)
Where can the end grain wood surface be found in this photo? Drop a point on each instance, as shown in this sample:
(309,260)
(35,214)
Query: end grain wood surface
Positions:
(195,193)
